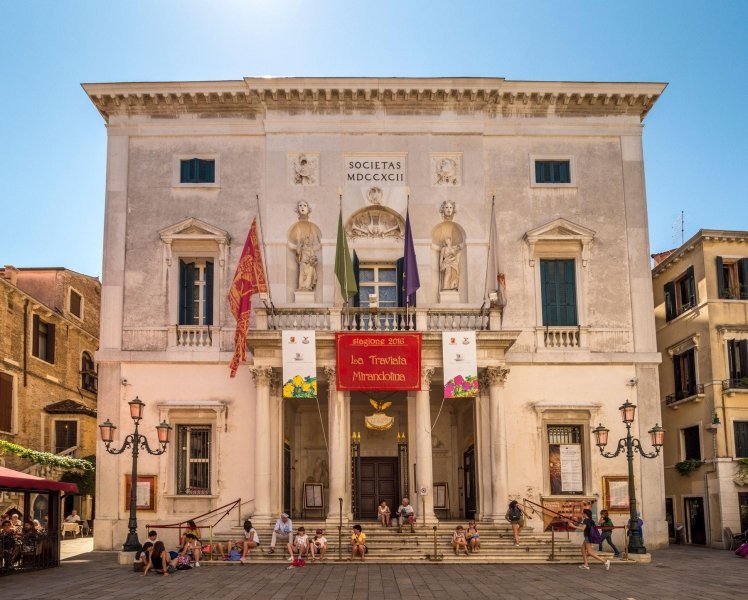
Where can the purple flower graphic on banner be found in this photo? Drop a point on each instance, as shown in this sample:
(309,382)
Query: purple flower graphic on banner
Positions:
(461,387)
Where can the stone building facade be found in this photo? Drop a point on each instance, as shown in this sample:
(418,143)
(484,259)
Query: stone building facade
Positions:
(190,164)
(701,309)
(49,319)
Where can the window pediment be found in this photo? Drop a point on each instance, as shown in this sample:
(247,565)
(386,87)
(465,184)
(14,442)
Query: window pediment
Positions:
(195,230)
(560,232)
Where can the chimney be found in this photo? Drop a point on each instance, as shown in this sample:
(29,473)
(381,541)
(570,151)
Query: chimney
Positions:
(11,275)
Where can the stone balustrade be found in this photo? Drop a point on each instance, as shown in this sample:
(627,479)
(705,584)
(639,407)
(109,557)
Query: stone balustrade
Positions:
(194,336)
(566,338)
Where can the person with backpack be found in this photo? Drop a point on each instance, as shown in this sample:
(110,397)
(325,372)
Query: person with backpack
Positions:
(515,516)
(591,536)
(606,531)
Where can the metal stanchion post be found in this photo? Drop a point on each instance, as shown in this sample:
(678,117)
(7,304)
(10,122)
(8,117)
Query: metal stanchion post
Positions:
(340,530)
(423,505)
(436,549)
(553,543)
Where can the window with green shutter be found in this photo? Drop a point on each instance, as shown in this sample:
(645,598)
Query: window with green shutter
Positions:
(195,292)
(559,292)
(552,171)
(197,170)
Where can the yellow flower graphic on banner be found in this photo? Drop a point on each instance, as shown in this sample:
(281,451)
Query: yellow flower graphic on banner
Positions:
(300,387)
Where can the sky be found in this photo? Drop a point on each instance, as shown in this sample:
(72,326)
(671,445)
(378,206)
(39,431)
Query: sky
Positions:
(53,141)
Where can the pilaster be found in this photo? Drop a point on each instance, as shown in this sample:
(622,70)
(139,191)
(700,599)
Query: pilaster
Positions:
(424,505)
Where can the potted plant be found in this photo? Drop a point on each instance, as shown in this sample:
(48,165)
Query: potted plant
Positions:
(685,467)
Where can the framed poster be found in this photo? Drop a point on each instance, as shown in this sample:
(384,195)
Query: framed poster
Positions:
(441,496)
(145,492)
(616,493)
(313,496)
(561,509)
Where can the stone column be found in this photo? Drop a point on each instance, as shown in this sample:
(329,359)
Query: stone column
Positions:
(262,377)
(337,409)
(424,460)
(494,377)
(275,444)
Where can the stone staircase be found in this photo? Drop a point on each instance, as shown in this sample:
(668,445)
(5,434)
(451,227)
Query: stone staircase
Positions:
(387,546)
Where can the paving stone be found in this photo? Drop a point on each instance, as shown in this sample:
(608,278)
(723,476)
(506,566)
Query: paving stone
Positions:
(678,573)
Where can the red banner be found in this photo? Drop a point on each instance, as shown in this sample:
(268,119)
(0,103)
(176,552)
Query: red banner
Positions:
(378,361)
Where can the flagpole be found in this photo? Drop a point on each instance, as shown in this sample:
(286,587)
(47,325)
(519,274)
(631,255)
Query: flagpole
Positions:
(490,244)
(265,261)
(345,271)
(405,274)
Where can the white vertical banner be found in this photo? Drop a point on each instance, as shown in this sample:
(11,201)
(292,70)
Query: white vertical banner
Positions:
(571,468)
(460,364)
(299,364)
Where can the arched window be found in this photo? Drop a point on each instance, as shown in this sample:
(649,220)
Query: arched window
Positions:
(88,373)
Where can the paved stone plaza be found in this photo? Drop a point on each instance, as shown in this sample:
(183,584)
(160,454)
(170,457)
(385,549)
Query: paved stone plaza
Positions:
(680,573)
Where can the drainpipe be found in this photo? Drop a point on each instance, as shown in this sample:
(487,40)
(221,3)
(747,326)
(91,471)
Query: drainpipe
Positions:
(707,506)
(25,342)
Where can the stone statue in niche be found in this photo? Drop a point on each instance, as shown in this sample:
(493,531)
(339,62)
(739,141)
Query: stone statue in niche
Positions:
(306,244)
(449,264)
(445,171)
(306,255)
(304,170)
(449,241)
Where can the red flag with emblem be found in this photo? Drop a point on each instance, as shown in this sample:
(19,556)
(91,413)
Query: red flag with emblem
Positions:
(249,279)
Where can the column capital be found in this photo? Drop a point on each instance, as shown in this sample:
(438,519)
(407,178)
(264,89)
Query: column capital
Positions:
(427,372)
(262,375)
(495,375)
(329,371)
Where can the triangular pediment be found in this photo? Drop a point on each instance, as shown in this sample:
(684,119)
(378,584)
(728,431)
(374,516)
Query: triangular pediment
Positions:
(560,230)
(192,228)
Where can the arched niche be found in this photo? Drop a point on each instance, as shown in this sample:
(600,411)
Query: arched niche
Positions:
(453,231)
(302,233)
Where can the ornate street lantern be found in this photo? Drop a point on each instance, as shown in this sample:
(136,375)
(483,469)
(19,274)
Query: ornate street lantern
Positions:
(136,409)
(601,436)
(657,434)
(164,432)
(107,431)
(627,412)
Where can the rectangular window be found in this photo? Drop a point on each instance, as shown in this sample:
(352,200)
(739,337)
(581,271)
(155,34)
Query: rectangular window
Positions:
(680,295)
(66,435)
(380,282)
(195,292)
(197,170)
(552,171)
(559,292)
(737,364)
(193,459)
(43,340)
(76,304)
(6,402)
(684,374)
(565,463)
(741,439)
(691,443)
(732,278)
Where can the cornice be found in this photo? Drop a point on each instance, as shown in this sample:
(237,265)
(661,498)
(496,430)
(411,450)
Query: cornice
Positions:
(702,235)
(340,94)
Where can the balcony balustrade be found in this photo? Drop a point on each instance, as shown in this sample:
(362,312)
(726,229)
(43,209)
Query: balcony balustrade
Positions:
(693,391)
(194,336)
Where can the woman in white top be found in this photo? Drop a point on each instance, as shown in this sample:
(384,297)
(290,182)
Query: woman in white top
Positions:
(319,544)
(383,513)
(246,543)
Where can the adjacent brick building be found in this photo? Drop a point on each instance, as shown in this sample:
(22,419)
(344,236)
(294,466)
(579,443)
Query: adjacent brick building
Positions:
(49,324)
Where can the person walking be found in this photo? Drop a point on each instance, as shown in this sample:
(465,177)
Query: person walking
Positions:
(606,530)
(590,534)
(515,515)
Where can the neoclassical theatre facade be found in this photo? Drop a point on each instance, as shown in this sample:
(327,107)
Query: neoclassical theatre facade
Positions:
(560,344)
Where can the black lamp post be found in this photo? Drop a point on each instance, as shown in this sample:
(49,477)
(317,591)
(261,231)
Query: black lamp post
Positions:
(629,444)
(136,441)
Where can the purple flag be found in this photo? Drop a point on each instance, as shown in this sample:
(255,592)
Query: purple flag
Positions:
(411,282)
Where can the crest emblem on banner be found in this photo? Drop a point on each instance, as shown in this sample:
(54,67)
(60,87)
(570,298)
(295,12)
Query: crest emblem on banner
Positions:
(299,364)
(379,421)
(460,364)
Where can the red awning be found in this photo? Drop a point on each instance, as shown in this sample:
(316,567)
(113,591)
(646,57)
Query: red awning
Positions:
(22,481)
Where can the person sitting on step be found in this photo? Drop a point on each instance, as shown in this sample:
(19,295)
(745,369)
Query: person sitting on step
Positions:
(473,537)
(300,544)
(284,529)
(358,542)
(249,540)
(383,513)
(405,514)
(459,542)
(319,544)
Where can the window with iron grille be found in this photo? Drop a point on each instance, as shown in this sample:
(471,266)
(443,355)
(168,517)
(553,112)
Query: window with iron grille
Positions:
(563,435)
(193,459)
(66,435)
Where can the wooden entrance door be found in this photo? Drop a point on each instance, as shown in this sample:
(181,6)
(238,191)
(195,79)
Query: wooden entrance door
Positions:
(695,520)
(379,481)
